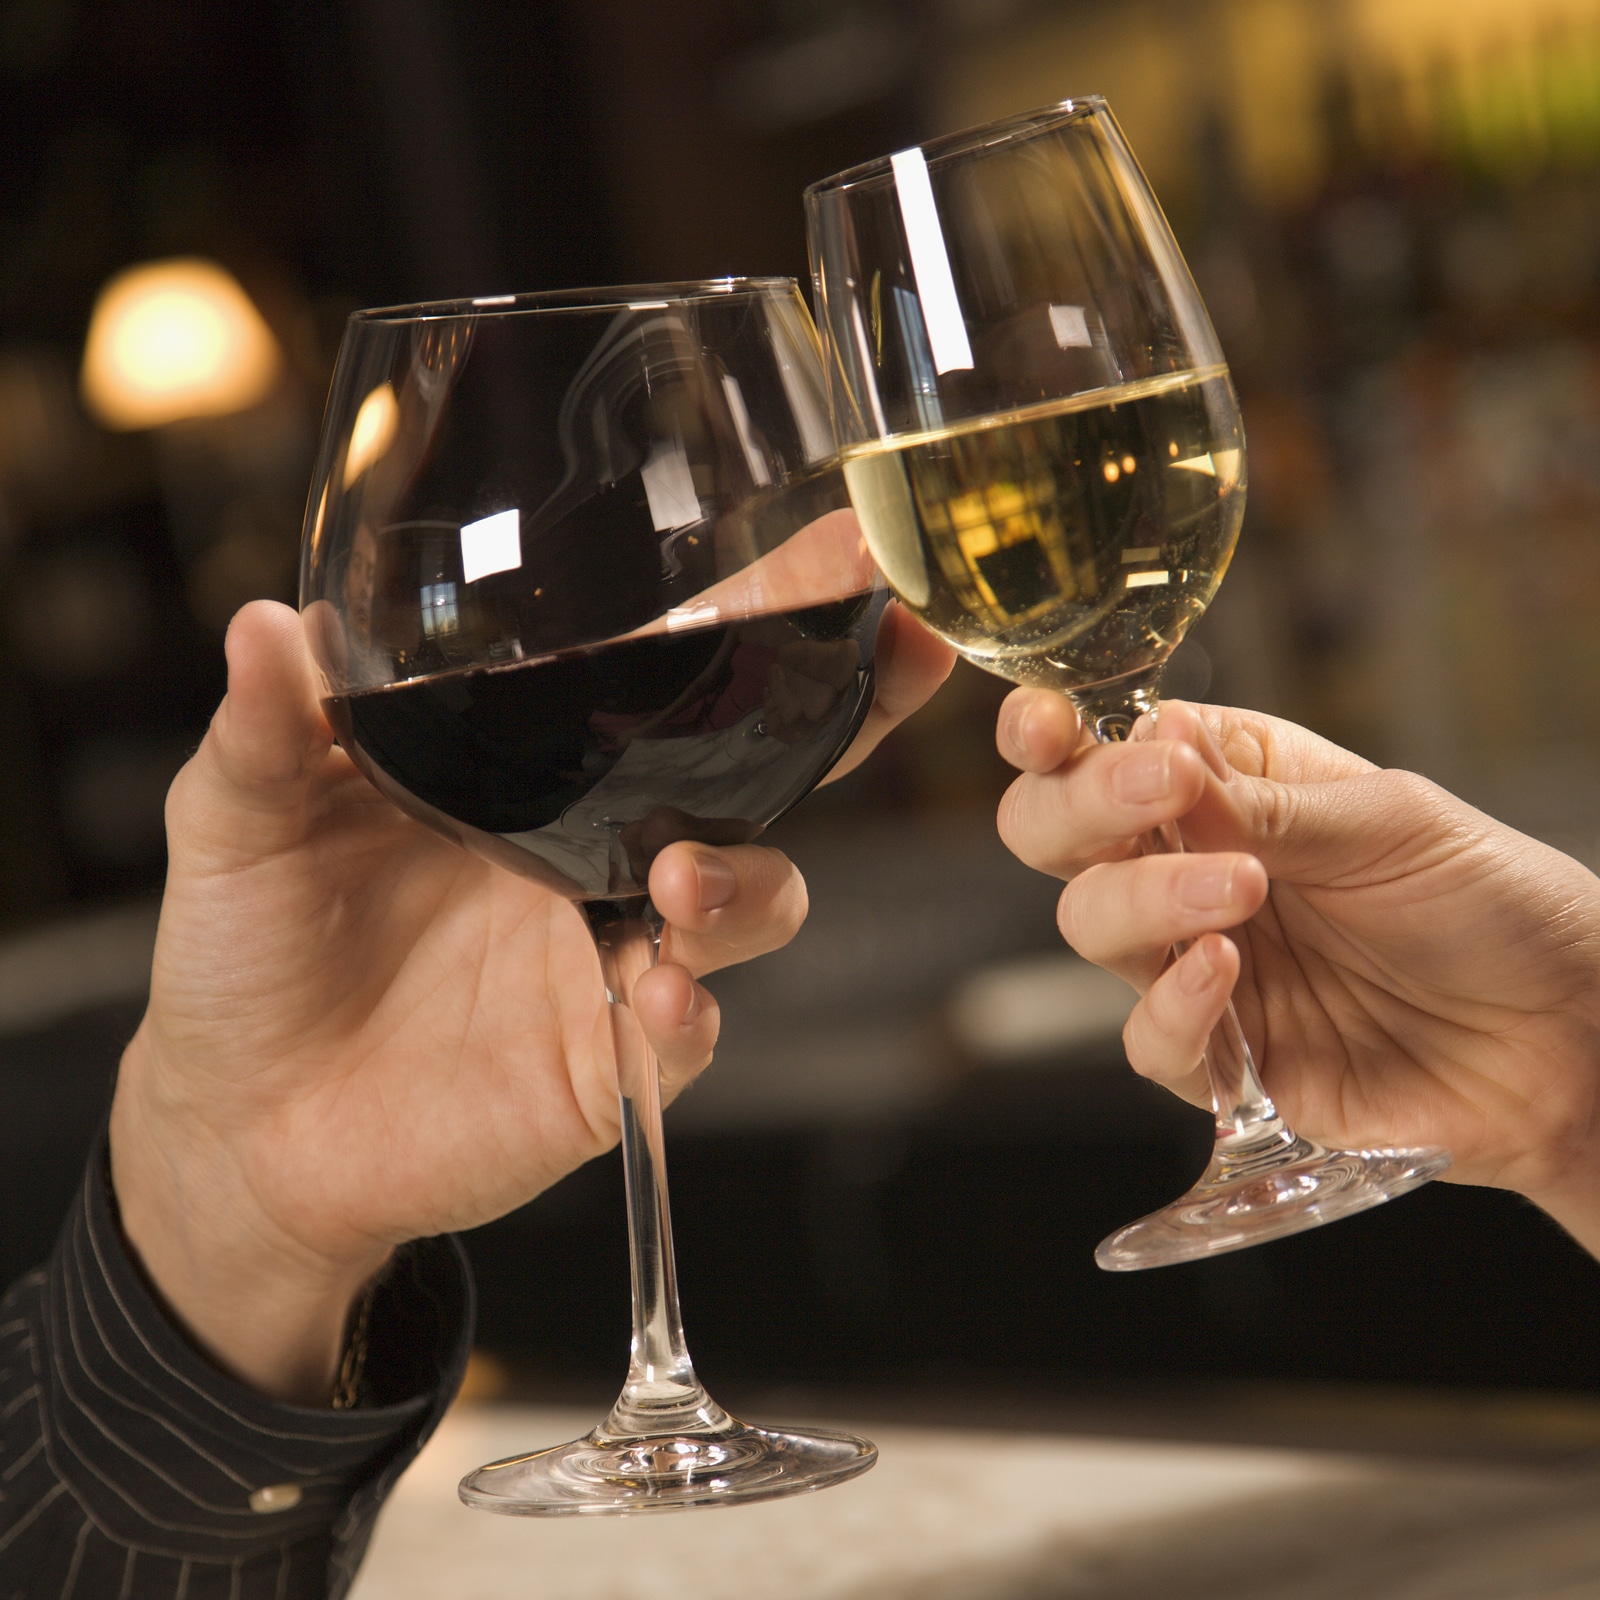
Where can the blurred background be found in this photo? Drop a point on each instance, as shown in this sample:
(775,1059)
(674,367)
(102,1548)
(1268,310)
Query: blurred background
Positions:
(920,1121)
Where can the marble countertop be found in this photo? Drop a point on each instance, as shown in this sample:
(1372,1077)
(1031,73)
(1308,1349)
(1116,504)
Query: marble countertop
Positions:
(964,1515)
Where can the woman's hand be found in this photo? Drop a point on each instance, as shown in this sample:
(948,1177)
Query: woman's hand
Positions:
(358,1034)
(1408,970)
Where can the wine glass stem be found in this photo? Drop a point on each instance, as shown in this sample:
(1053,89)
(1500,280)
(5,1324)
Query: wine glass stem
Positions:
(662,1394)
(1245,1114)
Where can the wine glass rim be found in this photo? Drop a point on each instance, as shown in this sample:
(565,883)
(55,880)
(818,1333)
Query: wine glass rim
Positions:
(606,297)
(949,146)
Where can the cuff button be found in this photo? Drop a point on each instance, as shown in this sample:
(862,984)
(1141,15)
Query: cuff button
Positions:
(275,1497)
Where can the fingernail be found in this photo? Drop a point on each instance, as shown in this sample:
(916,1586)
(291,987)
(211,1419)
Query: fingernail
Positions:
(1145,727)
(1206,888)
(695,1007)
(715,881)
(1145,775)
(1196,971)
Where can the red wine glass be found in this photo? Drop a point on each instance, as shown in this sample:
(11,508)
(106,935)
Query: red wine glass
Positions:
(582,579)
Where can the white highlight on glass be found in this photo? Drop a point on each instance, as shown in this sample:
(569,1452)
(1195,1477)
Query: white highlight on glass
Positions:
(1197,464)
(669,486)
(1140,552)
(647,305)
(807,403)
(1070,326)
(495,300)
(492,544)
(868,381)
(697,614)
(1146,580)
(760,473)
(930,263)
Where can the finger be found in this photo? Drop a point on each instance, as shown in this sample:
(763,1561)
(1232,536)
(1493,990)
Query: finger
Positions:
(1094,807)
(269,729)
(266,741)
(799,697)
(1166,1033)
(781,712)
(1178,720)
(834,662)
(910,664)
(1037,730)
(1265,747)
(1310,811)
(1371,827)
(725,905)
(681,1020)
(1126,916)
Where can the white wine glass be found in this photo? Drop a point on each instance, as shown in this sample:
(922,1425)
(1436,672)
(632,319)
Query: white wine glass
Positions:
(1042,441)
(582,579)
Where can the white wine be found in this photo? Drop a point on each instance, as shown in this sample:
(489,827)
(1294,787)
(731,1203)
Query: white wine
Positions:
(1067,543)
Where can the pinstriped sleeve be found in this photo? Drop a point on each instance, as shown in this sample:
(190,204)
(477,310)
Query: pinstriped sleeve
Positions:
(128,1463)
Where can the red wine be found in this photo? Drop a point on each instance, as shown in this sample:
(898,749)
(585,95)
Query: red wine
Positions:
(577,768)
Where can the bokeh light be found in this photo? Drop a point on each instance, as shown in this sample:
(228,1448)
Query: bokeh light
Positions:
(175,340)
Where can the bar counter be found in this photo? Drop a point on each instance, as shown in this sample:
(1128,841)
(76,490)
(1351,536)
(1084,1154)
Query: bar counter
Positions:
(970,1515)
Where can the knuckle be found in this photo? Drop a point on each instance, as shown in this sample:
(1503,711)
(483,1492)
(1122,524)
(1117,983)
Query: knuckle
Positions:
(772,901)
(1278,809)
(1010,817)
(178,792)
(674,1080)
(1031,822)
(790,899)
(1413,794)
(1155,1044)
(1135,1041)
(793,911)
(1070,908)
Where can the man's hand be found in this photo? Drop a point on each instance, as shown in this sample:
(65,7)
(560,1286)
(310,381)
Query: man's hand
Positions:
(1408,970)
(358,1034)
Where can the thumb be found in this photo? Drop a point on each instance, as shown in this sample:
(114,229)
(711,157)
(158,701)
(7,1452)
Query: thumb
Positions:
(1368,828)
(1338,822)
(249,778)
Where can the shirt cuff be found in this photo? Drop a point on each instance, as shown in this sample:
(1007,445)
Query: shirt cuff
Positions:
(166,1454)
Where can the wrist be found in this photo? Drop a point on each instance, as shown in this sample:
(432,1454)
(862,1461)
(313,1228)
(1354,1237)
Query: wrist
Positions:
(263,1306)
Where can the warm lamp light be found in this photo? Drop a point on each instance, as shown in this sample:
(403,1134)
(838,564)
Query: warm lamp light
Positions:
(372,432)
(174,340)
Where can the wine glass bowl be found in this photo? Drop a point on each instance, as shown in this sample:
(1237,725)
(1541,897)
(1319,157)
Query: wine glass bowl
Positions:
(545,531)
(582,579)
(1043,444)
(1036,416)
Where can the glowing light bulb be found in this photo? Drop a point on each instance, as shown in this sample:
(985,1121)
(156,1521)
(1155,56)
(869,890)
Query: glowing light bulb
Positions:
(175,340)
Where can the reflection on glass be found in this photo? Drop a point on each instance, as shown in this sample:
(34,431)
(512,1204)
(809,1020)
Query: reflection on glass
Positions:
(373,432)
(360,576)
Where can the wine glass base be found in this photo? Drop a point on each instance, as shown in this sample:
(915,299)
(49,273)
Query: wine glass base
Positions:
(600,1475)
(1230,1211)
